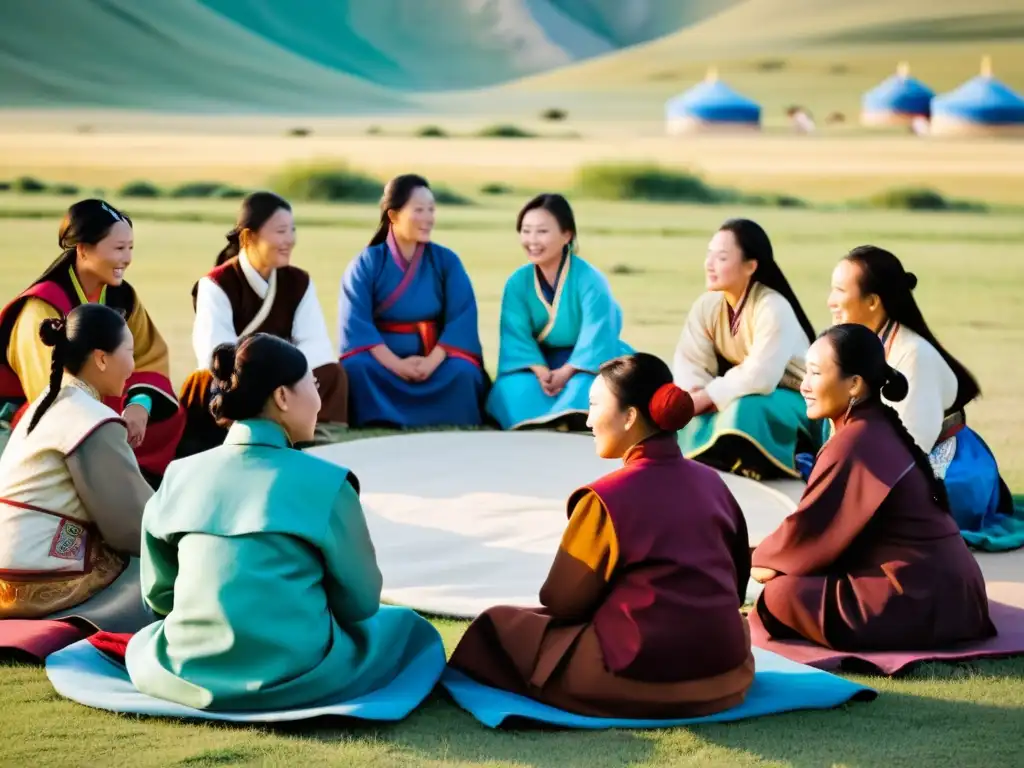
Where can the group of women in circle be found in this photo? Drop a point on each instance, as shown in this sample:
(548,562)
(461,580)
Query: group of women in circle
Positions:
(871,412)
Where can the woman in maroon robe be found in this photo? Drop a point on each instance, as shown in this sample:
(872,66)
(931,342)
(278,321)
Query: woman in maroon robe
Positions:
(641,607)
(872,559)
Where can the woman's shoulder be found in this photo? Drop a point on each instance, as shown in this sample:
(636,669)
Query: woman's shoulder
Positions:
(765,300)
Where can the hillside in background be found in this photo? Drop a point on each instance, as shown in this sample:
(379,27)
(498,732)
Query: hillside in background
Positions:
(351,57)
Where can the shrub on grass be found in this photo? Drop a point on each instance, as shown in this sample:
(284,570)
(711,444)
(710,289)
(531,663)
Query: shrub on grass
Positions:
(65,189)
(140,189)
(505,131)
(432,132)
(326,183)
(920,199)
(554,115)
(28,185)
(5,186)
(646,182)
(300,132)
(227,192)
(496,188)
(446,196)
(374,130)
(196,189)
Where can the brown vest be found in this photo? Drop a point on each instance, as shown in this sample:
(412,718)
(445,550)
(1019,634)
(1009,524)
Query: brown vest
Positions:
(292,284)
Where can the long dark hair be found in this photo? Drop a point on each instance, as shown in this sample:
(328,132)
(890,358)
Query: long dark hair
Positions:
(643,381)
(257,208)
(86,222)
(754,245)
(558,207)
(396,194)
(88,327)
(882,274)
(246,374)
(859,352)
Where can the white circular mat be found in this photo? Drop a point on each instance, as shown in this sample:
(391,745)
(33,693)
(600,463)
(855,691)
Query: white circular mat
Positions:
(462,521)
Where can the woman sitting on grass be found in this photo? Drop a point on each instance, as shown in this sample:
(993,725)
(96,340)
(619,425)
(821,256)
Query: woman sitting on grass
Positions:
(254,288)
(97,242)
(257,557)
(559,323)
(408,322)
(871,287)
(872,559)
(741,358)
(641,607)
(71,493)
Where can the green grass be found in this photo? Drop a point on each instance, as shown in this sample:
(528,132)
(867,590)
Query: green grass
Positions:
(971,275)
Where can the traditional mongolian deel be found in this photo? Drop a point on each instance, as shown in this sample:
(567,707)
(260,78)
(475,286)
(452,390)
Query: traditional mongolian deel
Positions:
(979,499)
(304,625)
(411,307)
(25,369)
(869,560)
(234,300)
(574,322)
(750,362)
(641,606)
(71,500)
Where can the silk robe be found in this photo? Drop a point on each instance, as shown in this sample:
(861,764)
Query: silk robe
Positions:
(25,370)
(258,559)
(410,307)
(71,501)
(750,362)
(978,497)
(869,560)
(575,322)
(641,607)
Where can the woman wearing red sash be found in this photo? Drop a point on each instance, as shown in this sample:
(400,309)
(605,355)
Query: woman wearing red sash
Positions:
(408,333)
(97,241)
(641,606)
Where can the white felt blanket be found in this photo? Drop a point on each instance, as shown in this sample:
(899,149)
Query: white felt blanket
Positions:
(462,521)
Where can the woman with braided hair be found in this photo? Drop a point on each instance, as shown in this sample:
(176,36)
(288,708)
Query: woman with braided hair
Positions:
(71,493)
(872,558)
(641,606)
(871,287)
(96,241)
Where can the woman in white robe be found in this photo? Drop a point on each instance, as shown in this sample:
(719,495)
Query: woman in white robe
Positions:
(71,492)
(741,358)
(871,287)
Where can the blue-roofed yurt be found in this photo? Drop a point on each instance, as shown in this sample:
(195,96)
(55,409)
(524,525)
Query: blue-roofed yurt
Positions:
(709,107)
(898,100)
(983,106)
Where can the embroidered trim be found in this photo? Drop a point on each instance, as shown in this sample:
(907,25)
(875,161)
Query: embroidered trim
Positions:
(942,456)
(69,541)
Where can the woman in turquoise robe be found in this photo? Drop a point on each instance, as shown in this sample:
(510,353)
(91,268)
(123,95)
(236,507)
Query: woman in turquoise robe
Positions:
(258,558)
(559,324)
(407,315)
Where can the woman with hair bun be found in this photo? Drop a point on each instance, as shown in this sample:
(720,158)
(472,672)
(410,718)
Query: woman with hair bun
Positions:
(96,241)
(871,287)
(253,288)
(71,493)
(407,315)
(871,560)
(741,358)
(257,559)
(641,607)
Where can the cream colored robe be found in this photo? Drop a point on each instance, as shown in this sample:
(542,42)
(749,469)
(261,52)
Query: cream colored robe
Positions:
(767,352)
(72,501)
(933,385)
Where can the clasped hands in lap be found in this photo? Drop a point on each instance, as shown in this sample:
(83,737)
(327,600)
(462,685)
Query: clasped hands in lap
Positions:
(553,382)
(762,575)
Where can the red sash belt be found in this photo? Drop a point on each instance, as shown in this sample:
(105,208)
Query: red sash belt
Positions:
(952,424)
(427,330)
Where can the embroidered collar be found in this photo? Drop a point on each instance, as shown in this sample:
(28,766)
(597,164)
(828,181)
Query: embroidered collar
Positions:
(734,314)
(77,383)
(887,334)
(258,432)
(80,292)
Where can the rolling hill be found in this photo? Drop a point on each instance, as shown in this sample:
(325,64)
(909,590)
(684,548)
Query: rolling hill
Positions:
(359,57)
